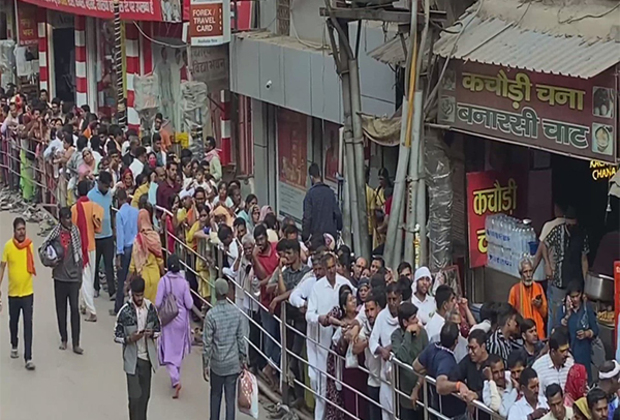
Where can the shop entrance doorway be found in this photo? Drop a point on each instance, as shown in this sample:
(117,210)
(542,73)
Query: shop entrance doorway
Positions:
(64,64)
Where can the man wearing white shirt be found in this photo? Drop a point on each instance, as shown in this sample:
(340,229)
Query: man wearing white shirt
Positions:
(531,406)
(555,401)
(53,147)
(445,300)
(553,367)
(137,166)
(323,299)
(420,298)
(380,344)
(230,246)
(498,393)
(301,293)
(375,302)
(299,299)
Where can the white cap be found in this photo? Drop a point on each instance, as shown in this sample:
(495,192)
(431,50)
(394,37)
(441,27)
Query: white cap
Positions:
(421,273)
(186,193)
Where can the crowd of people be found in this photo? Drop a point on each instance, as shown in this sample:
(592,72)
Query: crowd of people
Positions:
(355,328)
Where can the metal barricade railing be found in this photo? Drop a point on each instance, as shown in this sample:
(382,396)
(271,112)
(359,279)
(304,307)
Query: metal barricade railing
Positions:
(8,166)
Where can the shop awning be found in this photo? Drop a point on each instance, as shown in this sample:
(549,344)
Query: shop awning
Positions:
(141,10)
(489,39)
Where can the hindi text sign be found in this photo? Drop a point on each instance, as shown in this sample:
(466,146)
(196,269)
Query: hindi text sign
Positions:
(489,193)
(148,10)
(27,31)
(556,113)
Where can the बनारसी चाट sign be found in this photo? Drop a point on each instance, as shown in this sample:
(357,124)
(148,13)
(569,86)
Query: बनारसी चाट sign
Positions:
(555,113)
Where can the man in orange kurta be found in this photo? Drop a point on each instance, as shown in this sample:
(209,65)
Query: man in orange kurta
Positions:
(528,297)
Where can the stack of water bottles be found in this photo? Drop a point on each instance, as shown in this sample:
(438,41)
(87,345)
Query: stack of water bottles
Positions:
(509,240)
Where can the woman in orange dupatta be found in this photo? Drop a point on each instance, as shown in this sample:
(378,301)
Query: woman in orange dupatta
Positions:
(147,256)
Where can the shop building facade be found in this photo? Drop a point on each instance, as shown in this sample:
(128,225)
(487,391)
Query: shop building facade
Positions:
(531,118)
(286,75)
(73,46)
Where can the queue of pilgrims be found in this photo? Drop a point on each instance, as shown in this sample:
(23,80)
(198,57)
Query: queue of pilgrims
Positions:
(358,316)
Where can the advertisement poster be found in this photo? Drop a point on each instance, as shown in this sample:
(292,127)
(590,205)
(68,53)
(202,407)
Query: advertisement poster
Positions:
(331,145)
(170,66)
(210,66)
(490,192)
(27,24)
(141,10)
(209,22)
(292,129)
(555,113)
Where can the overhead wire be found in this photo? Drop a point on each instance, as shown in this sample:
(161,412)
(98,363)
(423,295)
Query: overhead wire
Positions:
(586,16)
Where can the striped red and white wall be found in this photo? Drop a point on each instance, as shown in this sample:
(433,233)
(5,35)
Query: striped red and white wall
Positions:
(226,155)
(132,57)
(81,85)
(44,73)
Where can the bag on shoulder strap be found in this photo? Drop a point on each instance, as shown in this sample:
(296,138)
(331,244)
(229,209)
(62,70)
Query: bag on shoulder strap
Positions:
(168,310)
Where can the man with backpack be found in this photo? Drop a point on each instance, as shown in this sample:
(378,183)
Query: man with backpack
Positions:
(67,274)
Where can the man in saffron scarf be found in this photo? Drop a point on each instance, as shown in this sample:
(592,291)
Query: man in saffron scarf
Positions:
(528,297)
(146,256)
(87,216)
(19,257)
(67,275)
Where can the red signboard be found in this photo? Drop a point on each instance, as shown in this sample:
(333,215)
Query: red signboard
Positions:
(489,193)
(144,10)
(27,33)
(616,305)
(292,130)
(209,22)
(557,113)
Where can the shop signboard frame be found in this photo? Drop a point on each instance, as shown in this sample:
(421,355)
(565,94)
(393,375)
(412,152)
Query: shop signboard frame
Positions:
(490,192)
(567,115)
(209,22)
(138,10)
(293,131)
(27,29)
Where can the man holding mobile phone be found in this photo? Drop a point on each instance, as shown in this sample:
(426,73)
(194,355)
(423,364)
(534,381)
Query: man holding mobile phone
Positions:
(137,328)
(528,297)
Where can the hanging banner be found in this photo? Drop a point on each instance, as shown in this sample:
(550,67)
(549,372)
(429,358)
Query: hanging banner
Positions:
(489,193)
(210,66)
(27,33)
(141,10)
(569,115)
(209,22)
(292,162)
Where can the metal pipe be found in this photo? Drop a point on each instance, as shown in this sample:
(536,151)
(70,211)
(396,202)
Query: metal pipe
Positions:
(413,176)
(349,146)
(358,151)
(392,258)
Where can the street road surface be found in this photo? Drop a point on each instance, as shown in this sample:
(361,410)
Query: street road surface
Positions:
(93,386)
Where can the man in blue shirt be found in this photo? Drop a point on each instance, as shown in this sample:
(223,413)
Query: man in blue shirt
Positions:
(104,241)
(126,232)
(437,360)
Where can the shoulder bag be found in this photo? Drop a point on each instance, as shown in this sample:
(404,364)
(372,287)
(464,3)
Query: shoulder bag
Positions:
(168,310)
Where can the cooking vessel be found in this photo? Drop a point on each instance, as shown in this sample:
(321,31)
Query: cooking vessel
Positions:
(599,287)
